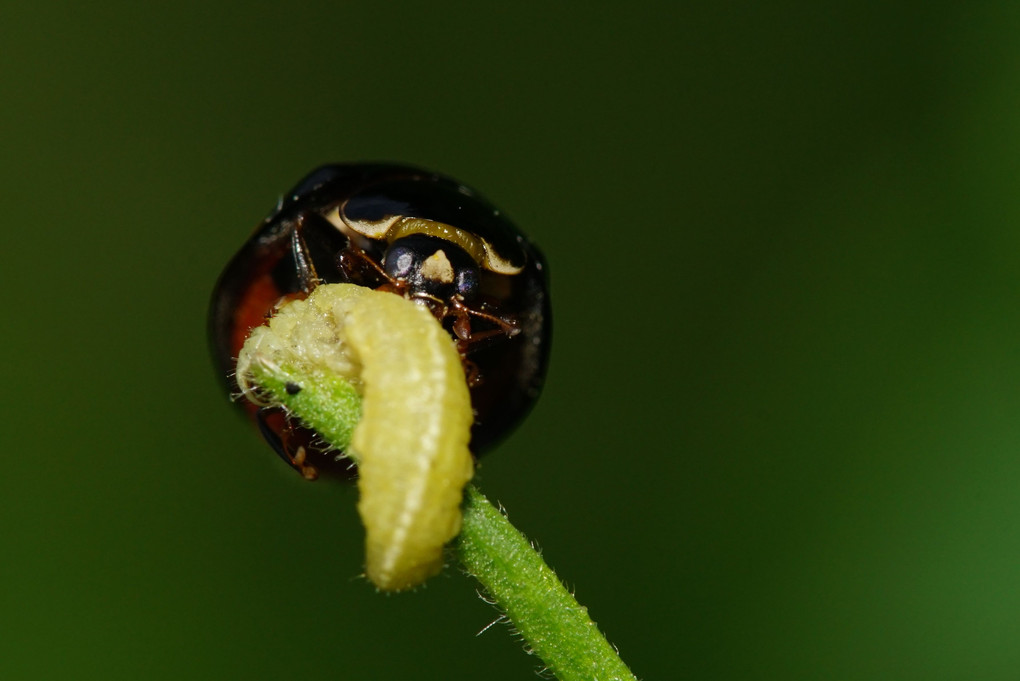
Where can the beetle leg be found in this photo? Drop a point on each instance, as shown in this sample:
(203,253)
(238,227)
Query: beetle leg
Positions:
(467,339)
(360,268)
(462,323)
(308,472)
(471,371)
(308,278)
(507,326)
(316,245)
(279,441)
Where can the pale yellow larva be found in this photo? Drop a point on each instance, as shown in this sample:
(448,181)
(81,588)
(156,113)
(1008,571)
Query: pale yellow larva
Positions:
(411,441)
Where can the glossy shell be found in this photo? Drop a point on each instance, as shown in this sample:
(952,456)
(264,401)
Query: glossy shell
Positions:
(338,210)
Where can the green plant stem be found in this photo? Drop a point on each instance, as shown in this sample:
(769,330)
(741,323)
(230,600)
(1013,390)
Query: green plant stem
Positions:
(518,582)
(554,625)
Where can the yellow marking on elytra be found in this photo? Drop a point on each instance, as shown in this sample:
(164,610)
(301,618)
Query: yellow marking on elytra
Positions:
(394,227)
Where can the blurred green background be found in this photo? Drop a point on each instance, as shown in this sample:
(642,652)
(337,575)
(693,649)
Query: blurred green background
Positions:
(780,434)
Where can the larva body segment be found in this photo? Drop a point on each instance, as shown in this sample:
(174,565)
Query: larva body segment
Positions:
(411,443)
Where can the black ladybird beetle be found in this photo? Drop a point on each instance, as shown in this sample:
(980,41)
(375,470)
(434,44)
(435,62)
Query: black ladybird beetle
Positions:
(417,234)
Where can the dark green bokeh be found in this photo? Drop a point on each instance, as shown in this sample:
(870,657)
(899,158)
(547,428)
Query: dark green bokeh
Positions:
(780,434)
